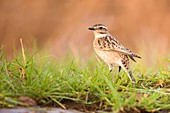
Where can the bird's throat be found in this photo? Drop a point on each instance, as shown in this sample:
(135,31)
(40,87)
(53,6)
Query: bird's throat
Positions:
(99,35)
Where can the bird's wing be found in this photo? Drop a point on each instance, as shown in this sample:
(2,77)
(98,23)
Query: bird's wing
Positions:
(109,43)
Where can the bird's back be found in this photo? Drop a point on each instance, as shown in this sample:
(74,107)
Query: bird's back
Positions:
(110,44)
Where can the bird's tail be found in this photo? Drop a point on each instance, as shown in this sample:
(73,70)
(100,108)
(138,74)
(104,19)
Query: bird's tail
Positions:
(137,56)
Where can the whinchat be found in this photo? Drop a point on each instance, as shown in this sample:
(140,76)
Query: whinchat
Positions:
(111,51)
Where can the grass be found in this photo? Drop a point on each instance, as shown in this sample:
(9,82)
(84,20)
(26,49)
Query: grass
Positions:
(64,83)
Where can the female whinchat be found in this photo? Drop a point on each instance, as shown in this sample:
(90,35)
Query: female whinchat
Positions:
(111,51)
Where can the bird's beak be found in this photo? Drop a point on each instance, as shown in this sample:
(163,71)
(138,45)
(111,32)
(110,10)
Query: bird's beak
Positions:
(91,28)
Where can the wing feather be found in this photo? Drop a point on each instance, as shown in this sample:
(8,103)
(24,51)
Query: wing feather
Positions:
(109,43)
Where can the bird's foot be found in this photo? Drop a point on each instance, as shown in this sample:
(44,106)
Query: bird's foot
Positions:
(133,80)
(110,71)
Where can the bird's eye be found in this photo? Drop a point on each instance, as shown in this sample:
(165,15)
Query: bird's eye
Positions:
(100,27)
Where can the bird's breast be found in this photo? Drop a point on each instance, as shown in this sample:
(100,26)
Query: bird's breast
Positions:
(107,56)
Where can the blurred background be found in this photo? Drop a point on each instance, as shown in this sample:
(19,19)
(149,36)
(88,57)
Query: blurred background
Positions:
(61,25)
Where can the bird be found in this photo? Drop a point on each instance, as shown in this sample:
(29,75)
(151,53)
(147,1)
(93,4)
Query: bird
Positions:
(111,51)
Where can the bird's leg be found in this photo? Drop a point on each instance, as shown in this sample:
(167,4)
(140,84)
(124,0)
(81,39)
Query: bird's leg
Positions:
(131,77)
(110,68)
(125,66)
(119,68)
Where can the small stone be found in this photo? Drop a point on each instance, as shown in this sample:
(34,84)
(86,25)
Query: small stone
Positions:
(27,101)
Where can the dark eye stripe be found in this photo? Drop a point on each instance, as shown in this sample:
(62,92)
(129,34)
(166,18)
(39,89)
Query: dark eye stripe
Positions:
(100,27)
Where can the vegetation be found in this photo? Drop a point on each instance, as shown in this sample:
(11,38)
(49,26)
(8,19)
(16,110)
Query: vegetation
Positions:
(66,83)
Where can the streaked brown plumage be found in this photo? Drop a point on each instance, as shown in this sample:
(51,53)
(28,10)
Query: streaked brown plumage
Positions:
(111,51)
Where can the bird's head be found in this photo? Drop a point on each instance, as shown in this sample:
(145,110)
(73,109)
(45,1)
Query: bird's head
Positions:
(99,30)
